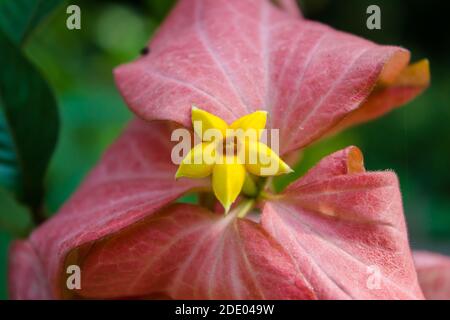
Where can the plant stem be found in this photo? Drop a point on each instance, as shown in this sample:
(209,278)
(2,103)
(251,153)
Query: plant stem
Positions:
(249,188)
(244,208)
(269,196)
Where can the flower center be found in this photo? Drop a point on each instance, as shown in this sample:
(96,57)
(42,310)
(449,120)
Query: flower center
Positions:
(230,146)
(237,155)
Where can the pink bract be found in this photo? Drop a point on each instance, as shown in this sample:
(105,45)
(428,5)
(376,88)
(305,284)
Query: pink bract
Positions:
(324,237)
(343,218)
(234,57)
(433,271)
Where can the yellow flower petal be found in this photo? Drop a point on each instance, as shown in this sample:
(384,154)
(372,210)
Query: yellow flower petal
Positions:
(249,128)
(207,121)
(263,161)
(197,162)
(256,120)
(227,181)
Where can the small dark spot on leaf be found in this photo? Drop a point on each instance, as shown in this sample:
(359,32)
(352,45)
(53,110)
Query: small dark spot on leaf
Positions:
(145,51)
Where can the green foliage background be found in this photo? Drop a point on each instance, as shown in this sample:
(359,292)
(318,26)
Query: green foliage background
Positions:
(414,140)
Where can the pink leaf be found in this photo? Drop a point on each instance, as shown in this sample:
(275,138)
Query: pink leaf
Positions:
(187,252)
(390,93)
(331,235)
(234,57)
(433,271)
(27,278)
(345,229)
(134,179)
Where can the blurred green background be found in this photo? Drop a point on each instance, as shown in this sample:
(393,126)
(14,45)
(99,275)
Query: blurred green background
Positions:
(414,140)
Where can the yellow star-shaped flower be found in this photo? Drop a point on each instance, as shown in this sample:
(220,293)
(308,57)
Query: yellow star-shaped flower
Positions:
(228,152)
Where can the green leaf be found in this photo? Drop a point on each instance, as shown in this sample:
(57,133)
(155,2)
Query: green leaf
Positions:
(14,218)
(159,9)
(29,125)
(19,17)
(5,242)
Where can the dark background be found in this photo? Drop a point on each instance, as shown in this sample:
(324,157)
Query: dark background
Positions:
(413,141)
